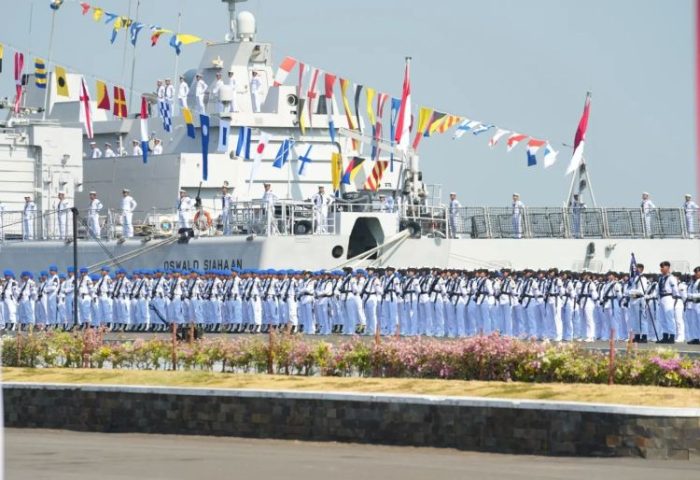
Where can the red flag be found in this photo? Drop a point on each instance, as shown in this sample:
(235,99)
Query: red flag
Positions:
(102,95)
(119,102)
(85,7)
(19,66)
(404,119)
(580,137)
(85,108)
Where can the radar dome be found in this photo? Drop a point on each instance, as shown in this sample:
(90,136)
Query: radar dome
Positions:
(245,23)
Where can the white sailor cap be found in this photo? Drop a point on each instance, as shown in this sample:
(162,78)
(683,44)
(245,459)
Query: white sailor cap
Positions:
(516,194)
(321,186)
(107,144)
(453,193)
(198,74)
(182,190)
(27,196)
(92,192)
(134,141)
(61,192)
(266,184)
(645,193)
(126,190)
(381,195)
(93,143)
(687,195)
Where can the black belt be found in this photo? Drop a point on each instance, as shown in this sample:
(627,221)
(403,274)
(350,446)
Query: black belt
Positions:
(665,295)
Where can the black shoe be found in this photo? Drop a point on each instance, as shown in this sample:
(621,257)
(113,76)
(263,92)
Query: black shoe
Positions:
(637,339)
(671,339)
(694,342)
(664,339)
(644,339)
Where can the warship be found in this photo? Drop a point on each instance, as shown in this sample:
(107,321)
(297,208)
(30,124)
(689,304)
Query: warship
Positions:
(42,153)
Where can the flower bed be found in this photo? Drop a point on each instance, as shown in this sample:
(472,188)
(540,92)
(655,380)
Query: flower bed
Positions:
(482,358)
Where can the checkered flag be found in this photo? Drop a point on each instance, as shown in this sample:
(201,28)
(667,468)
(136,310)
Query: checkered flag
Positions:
(166,112)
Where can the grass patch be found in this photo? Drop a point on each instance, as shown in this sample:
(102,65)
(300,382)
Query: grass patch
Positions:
(618,394)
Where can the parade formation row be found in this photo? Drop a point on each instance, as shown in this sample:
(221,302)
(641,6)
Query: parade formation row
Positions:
(544,305)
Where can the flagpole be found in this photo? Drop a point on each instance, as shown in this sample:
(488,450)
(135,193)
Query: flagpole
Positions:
(133,61)
(126,42)
(48,61)
(179,27)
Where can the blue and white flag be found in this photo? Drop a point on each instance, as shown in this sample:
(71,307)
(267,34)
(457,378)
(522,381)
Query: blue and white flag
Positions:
(550,156)
(224,131)
(283,153)
(176,44)
(482,128)
(204,124)
(303,160)
(464,126)
(134,31)
(166,113)
(243,145)
(395,107)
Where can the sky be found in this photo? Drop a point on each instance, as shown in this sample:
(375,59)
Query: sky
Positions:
(524,65)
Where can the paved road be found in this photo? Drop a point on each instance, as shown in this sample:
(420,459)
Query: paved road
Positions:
(59,455)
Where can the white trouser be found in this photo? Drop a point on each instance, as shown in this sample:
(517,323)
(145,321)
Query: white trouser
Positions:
(62,224)
(94,225)
(257,101)
(666,316)
(517,226)
(200,104)
(554,329)
(321,220)
(679,320)
(506,318)
(425,315)
(184,219)
(226,221)
(370,308)
(127,225)
(28,228)
(693,320)
(183,102)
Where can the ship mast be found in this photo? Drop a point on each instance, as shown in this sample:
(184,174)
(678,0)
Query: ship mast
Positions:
(232,37)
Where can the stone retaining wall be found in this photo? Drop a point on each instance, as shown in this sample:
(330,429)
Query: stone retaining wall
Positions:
(526,427)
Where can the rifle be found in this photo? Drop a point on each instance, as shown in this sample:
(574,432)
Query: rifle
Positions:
(653,320)
(198,198)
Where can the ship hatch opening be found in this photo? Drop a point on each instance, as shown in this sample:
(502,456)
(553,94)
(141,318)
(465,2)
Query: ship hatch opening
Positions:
(366,234)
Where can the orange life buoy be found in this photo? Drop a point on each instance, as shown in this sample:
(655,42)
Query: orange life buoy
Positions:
(207,216)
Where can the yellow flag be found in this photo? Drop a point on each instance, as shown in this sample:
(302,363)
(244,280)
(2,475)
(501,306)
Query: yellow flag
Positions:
(344,84)
(424,116)
(336,170)
(97,13)
(186,38)
(370,110)
(61,82)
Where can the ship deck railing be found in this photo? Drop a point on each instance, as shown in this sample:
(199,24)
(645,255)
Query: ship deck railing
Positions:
(300,218)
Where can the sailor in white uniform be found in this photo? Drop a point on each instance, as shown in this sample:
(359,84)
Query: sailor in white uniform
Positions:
(182,92)
(94,209)
(28,217)
(517,212)
(321,202)
(693,308)
(109,152)
(576,206)
(268,200)
(62,208)
(256,91)
(184,207)
(453,211)
(227,203)
(690,208)
(200,90)
(216,92)
(96,152)
(169,93)
(160,93)
(647,207)
(128,206)
(136,150)
(668,293)
(157,146)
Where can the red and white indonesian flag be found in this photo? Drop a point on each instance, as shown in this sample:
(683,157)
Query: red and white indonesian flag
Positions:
(257,156)
(580,138)
(403,122)
(85,111)
(283,70)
